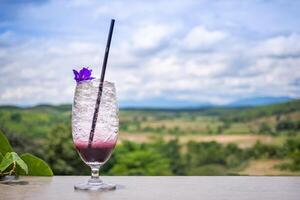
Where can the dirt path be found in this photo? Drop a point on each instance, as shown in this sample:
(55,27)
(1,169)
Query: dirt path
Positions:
(243,141)
(265,167)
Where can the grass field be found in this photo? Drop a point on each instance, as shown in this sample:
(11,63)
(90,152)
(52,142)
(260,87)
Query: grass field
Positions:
(242,140)
(266,167)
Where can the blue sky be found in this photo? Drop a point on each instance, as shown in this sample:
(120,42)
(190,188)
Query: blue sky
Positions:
(173,51)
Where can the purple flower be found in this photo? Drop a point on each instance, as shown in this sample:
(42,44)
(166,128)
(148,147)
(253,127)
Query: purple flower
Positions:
(84,74)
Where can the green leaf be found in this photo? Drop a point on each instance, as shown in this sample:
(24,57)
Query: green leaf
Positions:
(20,162)
(11,157)
(1,157)
(36,166)
(4,144)
(6,162)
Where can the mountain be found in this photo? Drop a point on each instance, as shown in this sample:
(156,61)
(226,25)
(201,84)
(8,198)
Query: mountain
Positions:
(167,103)
(163,103)
(259,101)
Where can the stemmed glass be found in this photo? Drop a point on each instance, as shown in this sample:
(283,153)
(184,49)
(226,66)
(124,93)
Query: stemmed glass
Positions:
(106,130)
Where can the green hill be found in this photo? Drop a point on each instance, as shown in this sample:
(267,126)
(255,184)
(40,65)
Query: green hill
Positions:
(37,121)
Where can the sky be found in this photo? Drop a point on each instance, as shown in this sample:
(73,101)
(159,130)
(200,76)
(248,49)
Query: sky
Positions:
(192,51)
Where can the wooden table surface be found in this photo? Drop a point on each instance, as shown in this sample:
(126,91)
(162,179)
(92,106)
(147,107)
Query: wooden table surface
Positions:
(172,187)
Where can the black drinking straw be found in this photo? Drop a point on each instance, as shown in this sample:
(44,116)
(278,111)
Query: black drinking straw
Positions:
(100,88)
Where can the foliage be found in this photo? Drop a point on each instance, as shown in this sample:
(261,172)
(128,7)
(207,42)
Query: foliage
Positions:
(246,114)
(208,170)
(5,146)
(45,132)
(59,152)
(288,125)
(12,163)
(292,150)
(213,153)
(12,159)
(171,150)
(264,128)
(260,150)
(37,167)
(141,162)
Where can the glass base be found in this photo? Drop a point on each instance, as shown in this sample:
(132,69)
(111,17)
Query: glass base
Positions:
(95,185)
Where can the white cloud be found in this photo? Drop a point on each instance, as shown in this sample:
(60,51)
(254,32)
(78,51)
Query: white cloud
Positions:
(154,54)
(150,36)
(201,38)
(279,46)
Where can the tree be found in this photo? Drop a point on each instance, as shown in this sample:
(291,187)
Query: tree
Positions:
(205,153)
(16,117)
(141,162)
(264,128)
(285,125)
(60,153)
(171,150)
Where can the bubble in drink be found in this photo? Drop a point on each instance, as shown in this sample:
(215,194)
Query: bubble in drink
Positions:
(106,130)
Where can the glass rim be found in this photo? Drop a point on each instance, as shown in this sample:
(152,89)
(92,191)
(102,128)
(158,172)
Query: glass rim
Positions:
(110,83)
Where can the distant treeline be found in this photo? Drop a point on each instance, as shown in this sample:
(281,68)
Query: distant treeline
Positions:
(261,111)
(293,105)
(37,121)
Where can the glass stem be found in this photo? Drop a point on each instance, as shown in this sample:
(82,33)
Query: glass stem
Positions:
(95,174)
(95,171)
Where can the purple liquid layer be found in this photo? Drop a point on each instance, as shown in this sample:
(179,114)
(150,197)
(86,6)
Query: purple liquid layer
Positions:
(99,151)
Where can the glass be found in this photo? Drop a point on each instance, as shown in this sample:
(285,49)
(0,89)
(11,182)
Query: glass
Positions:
(106,130)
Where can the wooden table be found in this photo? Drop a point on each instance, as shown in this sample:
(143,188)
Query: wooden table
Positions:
(164,188)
